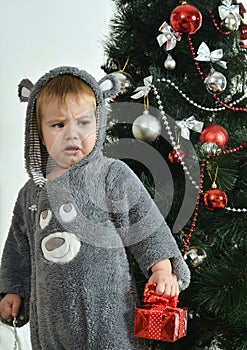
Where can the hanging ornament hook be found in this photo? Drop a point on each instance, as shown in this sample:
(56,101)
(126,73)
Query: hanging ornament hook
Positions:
(125,65)
(213,178)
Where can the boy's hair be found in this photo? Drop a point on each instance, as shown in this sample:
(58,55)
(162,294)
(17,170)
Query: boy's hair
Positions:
(60,87)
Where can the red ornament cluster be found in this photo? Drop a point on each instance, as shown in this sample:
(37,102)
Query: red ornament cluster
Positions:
(174,156)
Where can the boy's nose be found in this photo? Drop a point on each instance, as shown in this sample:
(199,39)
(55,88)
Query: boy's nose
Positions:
(71,130)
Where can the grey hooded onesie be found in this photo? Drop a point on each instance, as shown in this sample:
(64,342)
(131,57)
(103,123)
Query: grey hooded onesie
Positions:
(66,252)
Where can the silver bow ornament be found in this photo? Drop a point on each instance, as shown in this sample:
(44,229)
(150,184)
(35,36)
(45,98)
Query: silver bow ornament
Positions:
(227,8)
(168,36)
(142,91)
(186,125)
(204,54)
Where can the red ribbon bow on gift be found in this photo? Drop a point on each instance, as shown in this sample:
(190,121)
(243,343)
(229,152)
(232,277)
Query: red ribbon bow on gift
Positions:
(150,297)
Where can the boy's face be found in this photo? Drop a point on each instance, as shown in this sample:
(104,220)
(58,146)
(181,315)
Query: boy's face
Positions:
(69,131)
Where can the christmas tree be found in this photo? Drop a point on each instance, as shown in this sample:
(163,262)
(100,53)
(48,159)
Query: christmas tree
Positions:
(183,65)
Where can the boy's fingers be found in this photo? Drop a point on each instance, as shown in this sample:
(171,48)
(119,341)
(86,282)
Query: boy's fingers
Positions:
(173,291)
(15,308)
(160,288)
(167,290)
(6,314)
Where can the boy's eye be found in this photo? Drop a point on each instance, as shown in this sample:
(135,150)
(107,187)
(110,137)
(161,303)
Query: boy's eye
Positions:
(83,122)
(59,125)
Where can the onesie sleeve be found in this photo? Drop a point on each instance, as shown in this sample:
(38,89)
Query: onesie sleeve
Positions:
(142,227)
(15,269)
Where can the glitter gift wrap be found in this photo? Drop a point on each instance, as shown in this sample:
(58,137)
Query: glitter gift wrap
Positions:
(160,318)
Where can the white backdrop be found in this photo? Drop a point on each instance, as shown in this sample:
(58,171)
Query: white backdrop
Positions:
(35,37)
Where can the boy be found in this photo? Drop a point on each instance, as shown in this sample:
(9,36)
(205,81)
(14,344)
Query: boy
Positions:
(65,264)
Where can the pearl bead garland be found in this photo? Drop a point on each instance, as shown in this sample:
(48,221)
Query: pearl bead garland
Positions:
(243,210)
(175,146)
(219,109)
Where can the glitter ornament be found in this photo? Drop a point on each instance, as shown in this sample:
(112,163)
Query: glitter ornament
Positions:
(186,19)
(170,63)
(216,134)
(146,127)
(215,199)
(215,82)
(210,148)
(125,80)
(195,256)
(231,22)
(174,156)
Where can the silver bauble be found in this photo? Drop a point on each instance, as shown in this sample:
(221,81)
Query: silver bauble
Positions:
(146,127)
(215,82)
(210,148)
(231,22)
(124,79)
(195,256)
(170,63)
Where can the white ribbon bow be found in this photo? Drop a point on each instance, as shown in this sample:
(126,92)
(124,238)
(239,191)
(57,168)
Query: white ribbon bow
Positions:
(227,8)
(204,54)
(143,90)
(186,125)
(168,36)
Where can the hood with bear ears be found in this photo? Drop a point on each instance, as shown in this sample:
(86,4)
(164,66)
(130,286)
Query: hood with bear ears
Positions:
(36,156)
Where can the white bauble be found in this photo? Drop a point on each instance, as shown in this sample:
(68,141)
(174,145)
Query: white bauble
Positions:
(146,127)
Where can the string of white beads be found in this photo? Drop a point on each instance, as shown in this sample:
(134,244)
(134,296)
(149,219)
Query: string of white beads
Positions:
(243,210)
(195,104)
(172,138)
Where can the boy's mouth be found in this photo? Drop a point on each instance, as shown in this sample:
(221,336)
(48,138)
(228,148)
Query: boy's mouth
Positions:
(72,149)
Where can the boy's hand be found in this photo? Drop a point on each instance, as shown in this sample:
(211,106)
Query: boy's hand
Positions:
(166,282)
(9,306)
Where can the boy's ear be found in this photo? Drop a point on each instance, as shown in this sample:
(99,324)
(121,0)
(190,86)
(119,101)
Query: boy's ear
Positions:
(109,85)
(24,89)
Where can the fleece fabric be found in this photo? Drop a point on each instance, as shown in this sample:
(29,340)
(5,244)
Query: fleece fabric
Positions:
(67,252)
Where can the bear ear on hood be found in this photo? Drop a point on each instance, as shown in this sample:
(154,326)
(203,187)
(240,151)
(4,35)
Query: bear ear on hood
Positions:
(109,85)
(24,89)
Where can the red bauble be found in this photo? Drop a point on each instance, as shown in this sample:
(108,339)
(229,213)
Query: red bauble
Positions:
(186,19)
(243,32)
(173,156)
(215,134)
(215,199)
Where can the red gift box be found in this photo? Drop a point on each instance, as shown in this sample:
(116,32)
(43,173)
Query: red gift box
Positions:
(160,318)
